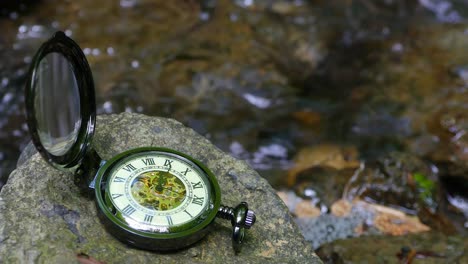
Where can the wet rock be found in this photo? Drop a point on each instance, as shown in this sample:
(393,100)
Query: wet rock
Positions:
(457,200)
(393,181)
(322,185)
(147,56)
(319,176)
(326,174)
(396,194)
(43,218)
(448,124)
(352,219)
(429,247)
(405,182)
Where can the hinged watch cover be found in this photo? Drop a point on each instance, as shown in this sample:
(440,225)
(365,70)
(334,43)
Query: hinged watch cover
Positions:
(60,102)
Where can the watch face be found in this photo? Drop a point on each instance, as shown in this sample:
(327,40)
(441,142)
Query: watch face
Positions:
(155,191)
(158,194)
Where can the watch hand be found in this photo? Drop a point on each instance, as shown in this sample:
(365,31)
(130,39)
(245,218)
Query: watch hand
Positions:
(162,179)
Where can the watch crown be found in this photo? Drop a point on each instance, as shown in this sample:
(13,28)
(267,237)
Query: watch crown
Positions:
(249,219)
(241,218)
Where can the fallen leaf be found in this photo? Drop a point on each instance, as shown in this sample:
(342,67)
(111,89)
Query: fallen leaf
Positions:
(397,226)
(298,206)
(306,209)
(308,118)
(341,208)
(324,155)
(393,222)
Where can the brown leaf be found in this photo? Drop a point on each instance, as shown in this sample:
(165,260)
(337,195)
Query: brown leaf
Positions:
(306,209)
(341,208)
(308,118)
(324,155)
(393,222)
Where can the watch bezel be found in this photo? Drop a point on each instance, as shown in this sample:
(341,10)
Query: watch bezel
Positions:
(182,235)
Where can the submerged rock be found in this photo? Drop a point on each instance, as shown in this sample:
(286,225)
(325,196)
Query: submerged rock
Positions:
(350,219)
(394,180)
(448,125)
(395,195)
(429,247)
(44,219)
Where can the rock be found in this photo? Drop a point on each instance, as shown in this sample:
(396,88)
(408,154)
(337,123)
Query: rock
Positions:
(43,219)
(448,125)
(429,247)
(393,181)
(357,218)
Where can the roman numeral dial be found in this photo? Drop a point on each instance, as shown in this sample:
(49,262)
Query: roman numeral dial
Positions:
(158,190)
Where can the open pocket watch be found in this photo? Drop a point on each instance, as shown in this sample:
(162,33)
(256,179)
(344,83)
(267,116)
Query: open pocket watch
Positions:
(152,198)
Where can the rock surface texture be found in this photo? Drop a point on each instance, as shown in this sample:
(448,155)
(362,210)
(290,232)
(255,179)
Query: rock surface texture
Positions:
(43,219)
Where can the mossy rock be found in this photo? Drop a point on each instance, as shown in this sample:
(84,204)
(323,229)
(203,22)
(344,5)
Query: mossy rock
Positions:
(43,218)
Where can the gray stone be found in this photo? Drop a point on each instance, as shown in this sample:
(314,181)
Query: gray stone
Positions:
(328,227)
(43,219)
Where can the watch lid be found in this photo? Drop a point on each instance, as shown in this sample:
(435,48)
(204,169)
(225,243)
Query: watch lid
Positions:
(60,102)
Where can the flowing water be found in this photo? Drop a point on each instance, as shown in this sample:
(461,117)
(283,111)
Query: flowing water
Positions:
(289,86)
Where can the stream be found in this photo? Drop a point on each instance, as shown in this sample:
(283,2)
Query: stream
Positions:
(327,100)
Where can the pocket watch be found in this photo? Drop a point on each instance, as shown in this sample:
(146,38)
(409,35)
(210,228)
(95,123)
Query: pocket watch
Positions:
(152,198)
